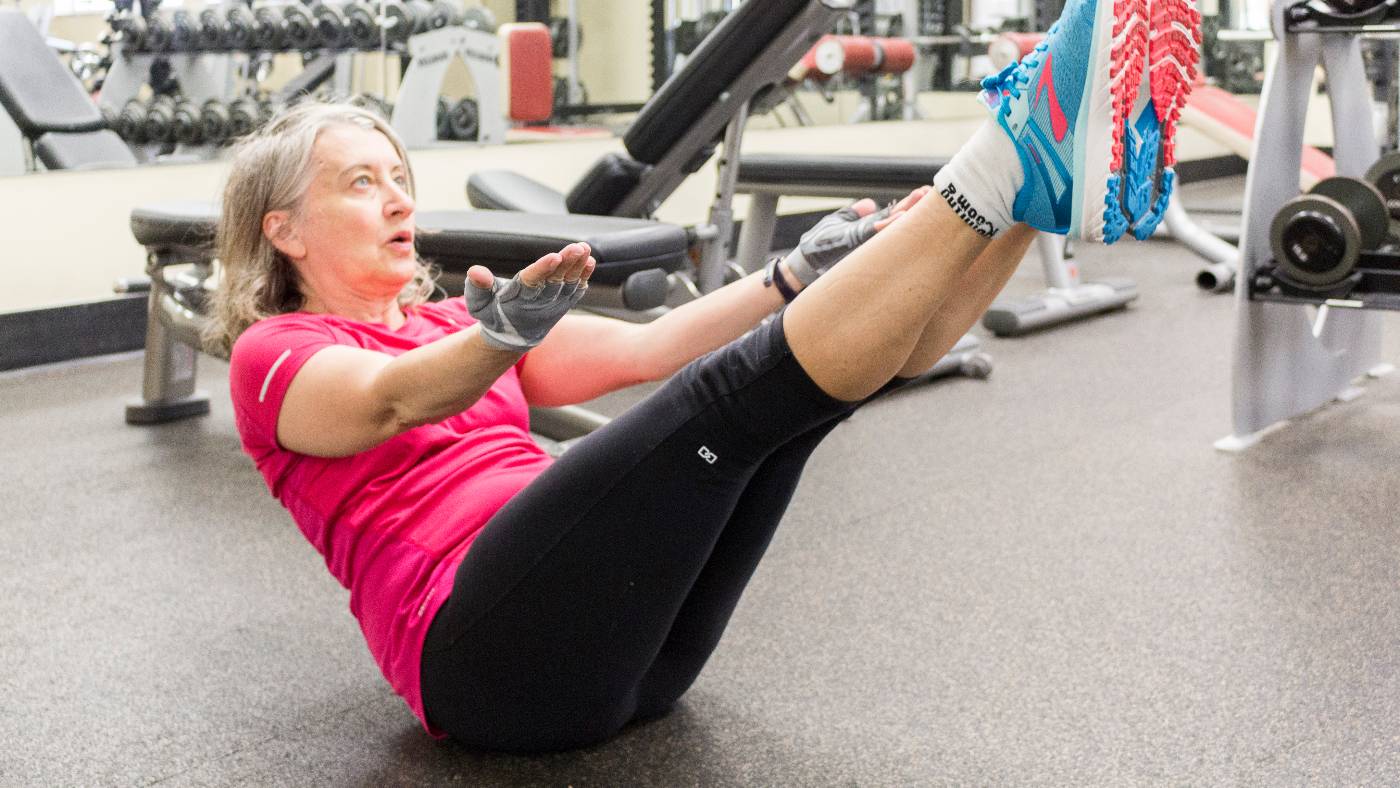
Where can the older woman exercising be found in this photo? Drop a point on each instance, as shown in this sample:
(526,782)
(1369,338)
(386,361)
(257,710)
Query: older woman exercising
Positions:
(525,604)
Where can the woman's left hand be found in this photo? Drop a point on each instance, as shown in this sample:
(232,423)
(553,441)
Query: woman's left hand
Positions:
(517,313)
(839,233)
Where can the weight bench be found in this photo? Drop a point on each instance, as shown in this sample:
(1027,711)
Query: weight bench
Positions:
(48,116)
(635,257)
(735,68)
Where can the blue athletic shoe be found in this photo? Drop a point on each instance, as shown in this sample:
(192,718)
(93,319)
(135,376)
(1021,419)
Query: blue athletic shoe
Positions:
(1149,150)
(1064,106)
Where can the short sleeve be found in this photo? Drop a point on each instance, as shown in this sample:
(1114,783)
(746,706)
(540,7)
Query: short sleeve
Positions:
(264,360)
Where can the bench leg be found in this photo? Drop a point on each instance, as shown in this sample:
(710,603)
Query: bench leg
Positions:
(167,387)
(756,236)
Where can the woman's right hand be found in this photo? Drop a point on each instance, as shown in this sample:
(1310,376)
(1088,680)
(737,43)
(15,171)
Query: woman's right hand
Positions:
(517,313)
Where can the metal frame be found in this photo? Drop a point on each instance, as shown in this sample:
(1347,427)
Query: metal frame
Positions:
(662,179)
(1293,358)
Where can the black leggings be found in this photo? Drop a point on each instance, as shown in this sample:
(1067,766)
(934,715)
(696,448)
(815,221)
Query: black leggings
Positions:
(595,596)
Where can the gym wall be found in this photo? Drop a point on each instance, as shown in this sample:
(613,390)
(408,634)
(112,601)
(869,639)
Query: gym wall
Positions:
(614,61)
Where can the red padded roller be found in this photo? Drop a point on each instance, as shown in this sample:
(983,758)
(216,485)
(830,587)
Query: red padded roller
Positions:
(862,54)
(899,55)
(823,61)
(527,69)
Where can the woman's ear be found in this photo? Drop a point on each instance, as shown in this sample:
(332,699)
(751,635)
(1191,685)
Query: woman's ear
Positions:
(277,227)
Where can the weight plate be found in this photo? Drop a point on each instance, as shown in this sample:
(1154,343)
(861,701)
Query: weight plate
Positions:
(1385,176)
(1315,240)
(1366,204)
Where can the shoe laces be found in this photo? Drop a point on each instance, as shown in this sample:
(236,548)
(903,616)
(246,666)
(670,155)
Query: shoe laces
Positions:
(1015,77)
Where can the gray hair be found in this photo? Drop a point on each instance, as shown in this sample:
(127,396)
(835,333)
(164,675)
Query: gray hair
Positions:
(271,171)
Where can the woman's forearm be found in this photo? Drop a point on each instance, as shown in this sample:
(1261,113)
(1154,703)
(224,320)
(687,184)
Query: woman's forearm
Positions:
(442,378)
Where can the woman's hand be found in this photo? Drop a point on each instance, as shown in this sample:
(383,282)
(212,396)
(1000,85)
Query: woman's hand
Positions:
(839,233)
(517,313)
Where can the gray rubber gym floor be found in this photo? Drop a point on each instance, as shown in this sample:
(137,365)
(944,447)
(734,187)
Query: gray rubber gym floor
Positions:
(1046,577)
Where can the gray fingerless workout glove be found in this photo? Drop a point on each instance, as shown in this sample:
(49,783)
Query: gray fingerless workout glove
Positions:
(834,237)
(515,316)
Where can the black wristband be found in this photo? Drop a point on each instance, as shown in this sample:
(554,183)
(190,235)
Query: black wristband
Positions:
(774,278)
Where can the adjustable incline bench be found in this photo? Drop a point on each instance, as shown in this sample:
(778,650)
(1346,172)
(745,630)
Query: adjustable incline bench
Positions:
(734,71)
(48,116)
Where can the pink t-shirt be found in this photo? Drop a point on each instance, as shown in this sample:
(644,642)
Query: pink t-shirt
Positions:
(393,522)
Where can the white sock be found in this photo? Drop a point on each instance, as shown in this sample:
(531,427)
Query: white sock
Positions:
(981,181)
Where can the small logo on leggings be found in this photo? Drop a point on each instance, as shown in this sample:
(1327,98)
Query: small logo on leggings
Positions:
(707,455)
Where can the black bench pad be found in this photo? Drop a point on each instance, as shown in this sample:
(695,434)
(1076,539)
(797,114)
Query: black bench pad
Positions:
(506,190)
(84,151)
(35,88)
(711,70)
(504,241)
(841,173)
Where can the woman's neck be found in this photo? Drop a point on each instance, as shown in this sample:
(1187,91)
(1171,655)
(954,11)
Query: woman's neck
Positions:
(388,314)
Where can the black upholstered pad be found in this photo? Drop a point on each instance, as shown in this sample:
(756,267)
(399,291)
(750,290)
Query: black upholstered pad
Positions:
(691,92)
(841,173)
(506,241)
(35,88)
(175,224)
(85,150)
(504,190)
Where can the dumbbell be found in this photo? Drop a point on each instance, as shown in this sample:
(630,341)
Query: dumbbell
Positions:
(239,25)
(445,13)
(330,25)
(269,29)
(211,30)
(444,129)
(1317,238)
(159,125)
(464,120)
(301,28)
(184,32)
(185,125)
(361,22)
(479,17)
(131,30)
(419,14)
(559,35)
(158,34)
(131,122)
(1385,176)
(246,114)
(214,122)
(399,21)
(1350,7)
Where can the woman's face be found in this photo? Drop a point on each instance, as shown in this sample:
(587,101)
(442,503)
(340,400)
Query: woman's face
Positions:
(355,230)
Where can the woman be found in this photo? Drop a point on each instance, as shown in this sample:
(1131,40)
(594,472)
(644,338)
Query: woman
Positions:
(524,604)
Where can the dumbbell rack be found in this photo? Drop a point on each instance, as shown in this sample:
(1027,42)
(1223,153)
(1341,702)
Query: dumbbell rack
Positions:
(415,110)
(1291,358)
(203,76)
